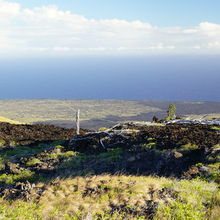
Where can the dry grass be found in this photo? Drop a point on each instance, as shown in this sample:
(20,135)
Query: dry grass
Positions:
(118,197)
(128,197)
(29,111)
(4,119)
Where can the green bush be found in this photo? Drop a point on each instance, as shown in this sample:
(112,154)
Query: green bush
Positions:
(215,128)
(2,142)
(33,162)
(188,147)
(171,112)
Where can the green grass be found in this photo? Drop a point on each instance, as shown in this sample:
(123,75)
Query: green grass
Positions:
(195,200)
(27,151)
(20,210)
(17,152)
(21,151)
(103,129)
(81,197)
(112,155)
(61,155)
(77,159)
(2,142)
(74,161)
(33,162)
(150,145)
(13,143)
(214,157)
(150,139)
(216,128)
(12,178)
(188,147)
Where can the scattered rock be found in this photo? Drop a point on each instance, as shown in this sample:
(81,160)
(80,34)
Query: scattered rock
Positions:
(131,159)
(25,191)
(204,169)
(12,168)
(177,155)
(194,121)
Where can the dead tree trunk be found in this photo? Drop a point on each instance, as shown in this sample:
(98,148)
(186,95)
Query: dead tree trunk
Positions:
(77,122)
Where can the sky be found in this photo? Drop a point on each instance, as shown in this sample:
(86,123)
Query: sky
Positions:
(109,27)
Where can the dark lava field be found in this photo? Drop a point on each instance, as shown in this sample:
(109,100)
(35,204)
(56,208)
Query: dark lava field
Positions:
(173,150)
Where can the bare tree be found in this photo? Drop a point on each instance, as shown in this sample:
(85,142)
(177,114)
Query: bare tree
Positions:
(77,122)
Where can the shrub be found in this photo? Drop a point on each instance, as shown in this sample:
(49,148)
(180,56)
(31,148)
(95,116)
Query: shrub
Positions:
(33,162)
(103,129)
(215,128)
(171,112)
(59,147)
(2,142)
(61,155)
(188,147)
(150,145)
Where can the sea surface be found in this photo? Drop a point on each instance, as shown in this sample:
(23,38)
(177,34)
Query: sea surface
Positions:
(183,78)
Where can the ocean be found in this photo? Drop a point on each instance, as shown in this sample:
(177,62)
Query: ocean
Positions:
(180,78)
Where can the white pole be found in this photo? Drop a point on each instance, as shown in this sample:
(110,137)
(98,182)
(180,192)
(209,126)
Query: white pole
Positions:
(77,122)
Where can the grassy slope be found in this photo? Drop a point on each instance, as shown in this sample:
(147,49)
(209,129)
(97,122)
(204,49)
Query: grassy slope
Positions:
(4,119)
(119,197)
(103,196)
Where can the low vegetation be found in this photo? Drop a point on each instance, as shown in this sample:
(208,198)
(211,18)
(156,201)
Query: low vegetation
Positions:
(217,128)
(2,142)
(133,171)
(118,197)
(187,147)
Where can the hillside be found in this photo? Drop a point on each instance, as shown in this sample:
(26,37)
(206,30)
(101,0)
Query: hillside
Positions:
(100,113)
(130,171)
(7,120)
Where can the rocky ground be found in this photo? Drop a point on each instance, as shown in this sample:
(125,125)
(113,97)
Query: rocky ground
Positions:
(29,134)
(33,154)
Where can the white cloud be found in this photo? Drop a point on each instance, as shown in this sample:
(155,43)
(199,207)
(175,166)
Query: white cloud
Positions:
(215,44)
(8,10)
(61,49)
(210,29)
(49,30)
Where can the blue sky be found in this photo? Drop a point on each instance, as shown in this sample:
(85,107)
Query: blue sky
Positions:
(157,12)
(111,27)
